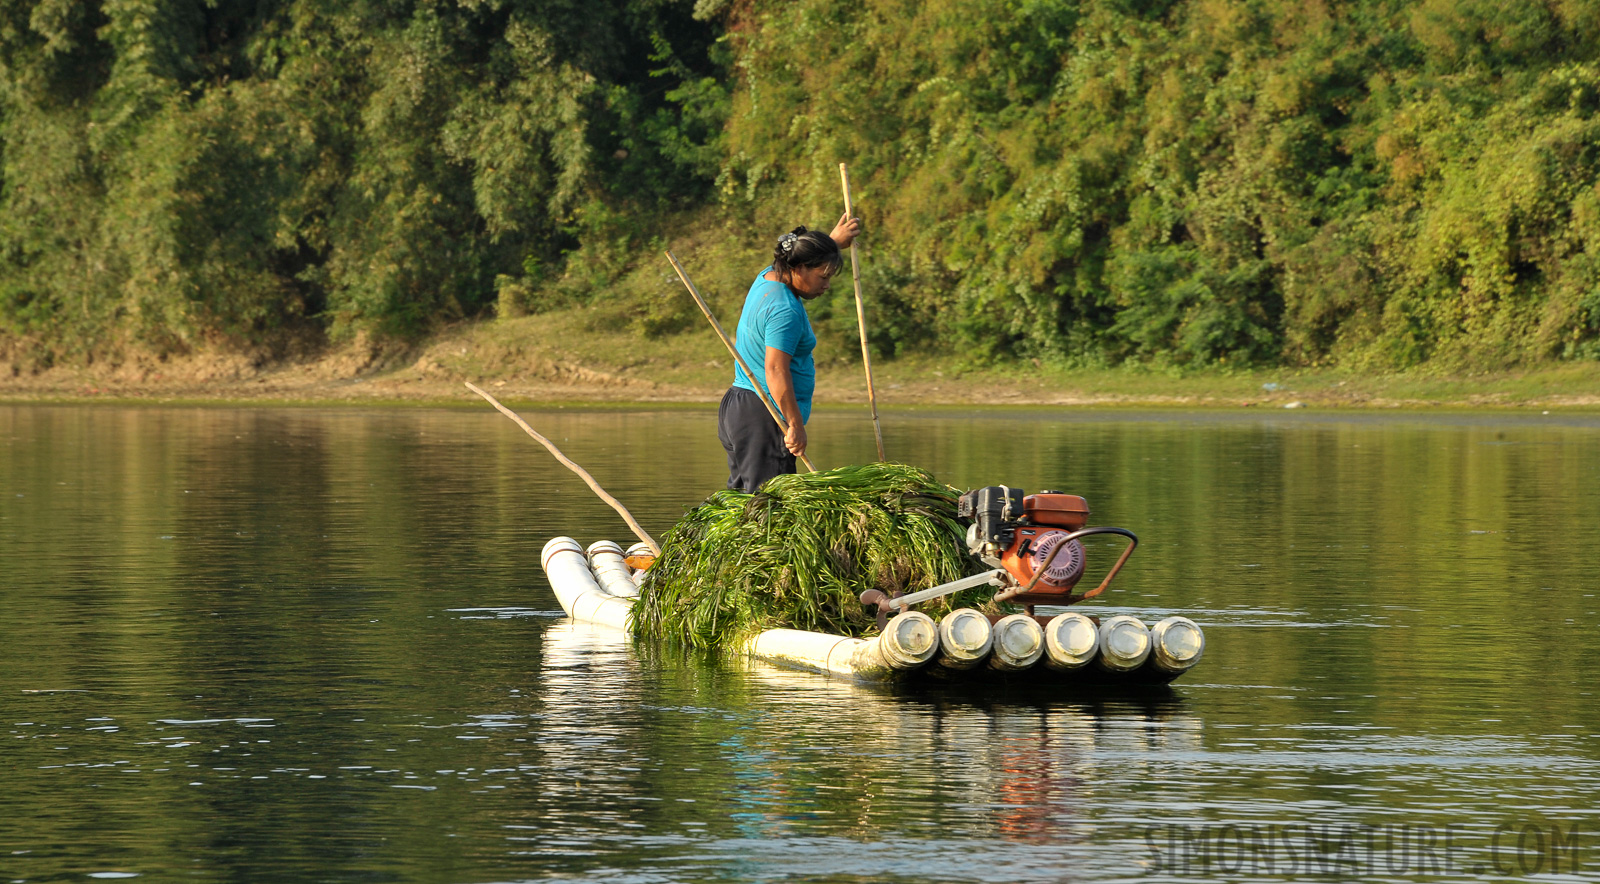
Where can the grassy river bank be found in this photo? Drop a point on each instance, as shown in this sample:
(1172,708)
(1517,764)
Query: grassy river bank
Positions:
(585,356)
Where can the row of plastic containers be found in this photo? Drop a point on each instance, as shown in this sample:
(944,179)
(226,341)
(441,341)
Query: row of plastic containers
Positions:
(597,586)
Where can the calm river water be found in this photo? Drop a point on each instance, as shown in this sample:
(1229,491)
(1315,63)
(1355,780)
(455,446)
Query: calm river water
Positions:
(316,645)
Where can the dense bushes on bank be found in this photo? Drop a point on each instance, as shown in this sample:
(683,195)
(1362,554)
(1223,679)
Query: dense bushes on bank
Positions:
(1381,183)
(175,169)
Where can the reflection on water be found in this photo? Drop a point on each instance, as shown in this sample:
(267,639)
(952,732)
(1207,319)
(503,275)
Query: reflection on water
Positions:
(252,644)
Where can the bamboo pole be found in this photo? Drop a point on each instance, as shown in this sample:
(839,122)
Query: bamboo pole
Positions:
(582,473)
(861,317)
(766,397)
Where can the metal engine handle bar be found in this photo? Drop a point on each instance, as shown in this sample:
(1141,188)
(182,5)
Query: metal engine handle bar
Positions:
(1133,542)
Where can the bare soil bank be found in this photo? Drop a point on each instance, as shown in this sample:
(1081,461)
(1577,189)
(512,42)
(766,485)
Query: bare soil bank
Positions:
(587,356)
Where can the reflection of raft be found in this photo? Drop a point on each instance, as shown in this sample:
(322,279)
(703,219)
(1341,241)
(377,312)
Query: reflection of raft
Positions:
(598,587)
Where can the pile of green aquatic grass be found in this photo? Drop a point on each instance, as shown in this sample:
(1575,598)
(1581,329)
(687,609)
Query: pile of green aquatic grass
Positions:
(799,552)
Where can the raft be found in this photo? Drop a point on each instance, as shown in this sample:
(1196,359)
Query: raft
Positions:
(595,585)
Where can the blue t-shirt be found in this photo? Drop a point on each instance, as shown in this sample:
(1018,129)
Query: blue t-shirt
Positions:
(774,317)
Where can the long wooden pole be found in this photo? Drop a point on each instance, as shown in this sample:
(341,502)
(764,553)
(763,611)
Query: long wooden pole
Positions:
(861,317)
(766,397)
(582,473)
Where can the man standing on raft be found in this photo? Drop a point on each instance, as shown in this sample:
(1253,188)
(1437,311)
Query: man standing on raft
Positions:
(775,339)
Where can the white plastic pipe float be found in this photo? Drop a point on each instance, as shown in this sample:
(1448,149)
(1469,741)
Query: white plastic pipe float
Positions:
(1124,643)
(965,639)
(907,643)
(1070,642)
(1018,643)
(1176,644)
(610,571)
(575,587)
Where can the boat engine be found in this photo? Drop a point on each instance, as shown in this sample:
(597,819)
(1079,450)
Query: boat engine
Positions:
(1036,539)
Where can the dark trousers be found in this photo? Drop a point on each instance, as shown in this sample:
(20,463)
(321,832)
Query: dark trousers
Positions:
(752,439)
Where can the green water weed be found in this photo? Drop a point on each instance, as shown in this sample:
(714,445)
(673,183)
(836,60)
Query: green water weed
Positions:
(799,552)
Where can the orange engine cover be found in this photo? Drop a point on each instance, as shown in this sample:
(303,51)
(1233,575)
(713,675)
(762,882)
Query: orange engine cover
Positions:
(1032,545)
(1067,511)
